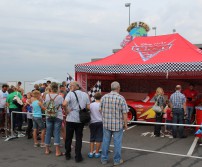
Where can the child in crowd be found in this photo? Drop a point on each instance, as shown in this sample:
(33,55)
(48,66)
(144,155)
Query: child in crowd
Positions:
(28,109)
(37,107)
(96,127)
(168,118)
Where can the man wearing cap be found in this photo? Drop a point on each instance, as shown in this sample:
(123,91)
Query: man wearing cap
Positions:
(178,106)
(73,123)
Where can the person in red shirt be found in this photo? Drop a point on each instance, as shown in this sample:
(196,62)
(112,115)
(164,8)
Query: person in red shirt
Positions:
(168,118)
(191,96)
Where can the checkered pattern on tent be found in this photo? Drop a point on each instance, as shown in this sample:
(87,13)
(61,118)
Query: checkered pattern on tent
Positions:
(96,88)
(142,68)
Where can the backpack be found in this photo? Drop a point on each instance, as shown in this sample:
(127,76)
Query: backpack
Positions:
(51,110)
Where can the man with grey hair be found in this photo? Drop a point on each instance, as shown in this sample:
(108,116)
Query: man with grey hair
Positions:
(114,111)
(178,106)
(73,124)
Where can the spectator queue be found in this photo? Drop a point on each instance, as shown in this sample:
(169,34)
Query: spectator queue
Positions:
(54,112)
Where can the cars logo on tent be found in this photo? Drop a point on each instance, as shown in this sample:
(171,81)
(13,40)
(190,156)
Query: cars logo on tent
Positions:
(147,51)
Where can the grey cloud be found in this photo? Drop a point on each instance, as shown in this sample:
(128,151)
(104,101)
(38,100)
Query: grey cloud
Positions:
(43,38)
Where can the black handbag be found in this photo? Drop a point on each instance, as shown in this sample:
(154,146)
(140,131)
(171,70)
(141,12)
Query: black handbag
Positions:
(84,114)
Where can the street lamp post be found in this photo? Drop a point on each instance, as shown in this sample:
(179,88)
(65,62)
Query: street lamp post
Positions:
(128,5)
(154,28)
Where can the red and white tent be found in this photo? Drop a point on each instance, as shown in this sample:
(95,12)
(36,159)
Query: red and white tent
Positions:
(167,56)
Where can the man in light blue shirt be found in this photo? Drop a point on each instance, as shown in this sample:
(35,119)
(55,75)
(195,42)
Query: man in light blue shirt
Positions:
(178,105)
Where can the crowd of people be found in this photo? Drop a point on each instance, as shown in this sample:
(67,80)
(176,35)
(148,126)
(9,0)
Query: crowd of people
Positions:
(53,111)
(178,108)
(45,98)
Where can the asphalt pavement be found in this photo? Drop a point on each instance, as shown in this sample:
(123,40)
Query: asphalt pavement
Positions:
(140,148)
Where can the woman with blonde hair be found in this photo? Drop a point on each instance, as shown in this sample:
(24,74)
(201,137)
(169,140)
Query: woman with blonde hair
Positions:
(159,100)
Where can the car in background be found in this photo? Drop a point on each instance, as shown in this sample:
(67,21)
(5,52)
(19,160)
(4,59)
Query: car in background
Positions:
(142,110)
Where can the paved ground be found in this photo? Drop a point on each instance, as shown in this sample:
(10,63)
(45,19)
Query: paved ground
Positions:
(139,149)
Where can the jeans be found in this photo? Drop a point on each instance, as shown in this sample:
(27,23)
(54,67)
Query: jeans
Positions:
(38,123)
(53,126)
(107,134)
(189,113)
(72,127)
(178,116)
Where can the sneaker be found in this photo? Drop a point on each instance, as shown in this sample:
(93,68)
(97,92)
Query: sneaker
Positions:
(68,156)
(77,160)
(36,145)
(97,155)
(104,162)
(170,137)
(42,145)
(118,163)
(90,155)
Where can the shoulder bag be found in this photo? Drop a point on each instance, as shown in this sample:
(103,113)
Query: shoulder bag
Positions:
(84,114)
(157,108)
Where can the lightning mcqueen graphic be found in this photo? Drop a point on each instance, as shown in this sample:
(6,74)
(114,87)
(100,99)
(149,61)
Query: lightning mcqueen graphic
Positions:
(142,110)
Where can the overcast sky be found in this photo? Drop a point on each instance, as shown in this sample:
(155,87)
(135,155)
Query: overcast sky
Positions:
(46,38)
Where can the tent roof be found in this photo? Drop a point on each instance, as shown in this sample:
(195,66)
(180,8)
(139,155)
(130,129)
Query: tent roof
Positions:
(44,80)
(166,53)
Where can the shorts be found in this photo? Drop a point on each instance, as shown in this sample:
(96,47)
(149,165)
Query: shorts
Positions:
(96,132)
(38,123)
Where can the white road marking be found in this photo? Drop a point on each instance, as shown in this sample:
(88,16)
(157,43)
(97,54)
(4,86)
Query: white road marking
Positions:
(130,127)
(156,152)
(191,150)
(146,133)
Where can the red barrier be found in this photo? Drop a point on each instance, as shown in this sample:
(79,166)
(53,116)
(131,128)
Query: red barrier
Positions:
(198,119)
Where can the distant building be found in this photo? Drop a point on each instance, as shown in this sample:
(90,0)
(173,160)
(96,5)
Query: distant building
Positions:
(95,59)
(199,46)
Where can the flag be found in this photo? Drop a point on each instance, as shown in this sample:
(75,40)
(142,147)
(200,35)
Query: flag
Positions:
(199,131)
(69,79)
(96,88)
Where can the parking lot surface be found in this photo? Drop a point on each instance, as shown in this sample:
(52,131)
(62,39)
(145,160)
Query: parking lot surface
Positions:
(140,148)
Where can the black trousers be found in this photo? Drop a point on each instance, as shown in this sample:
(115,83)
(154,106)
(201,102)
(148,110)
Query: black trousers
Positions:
(17,118)
(157,128)
(29,127)
(72,127)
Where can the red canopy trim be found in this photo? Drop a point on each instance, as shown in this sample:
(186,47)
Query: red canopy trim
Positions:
(144,68)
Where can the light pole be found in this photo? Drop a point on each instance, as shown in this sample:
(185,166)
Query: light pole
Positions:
(128,5)
(154,28)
